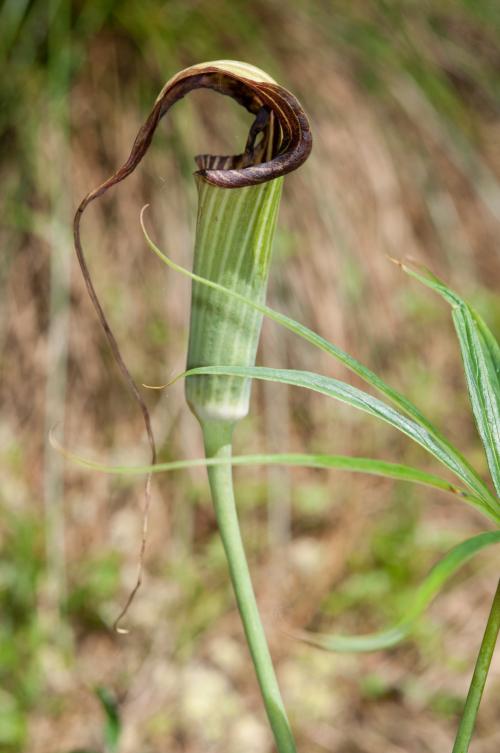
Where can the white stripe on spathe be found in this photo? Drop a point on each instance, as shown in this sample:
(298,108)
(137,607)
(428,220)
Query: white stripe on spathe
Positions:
(226,351)
(262,227)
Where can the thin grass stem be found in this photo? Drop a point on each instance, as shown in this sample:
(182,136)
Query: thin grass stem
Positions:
(468,720)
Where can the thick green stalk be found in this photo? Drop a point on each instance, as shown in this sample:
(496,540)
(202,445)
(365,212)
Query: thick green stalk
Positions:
(478,681)
(217,436)
(234,234)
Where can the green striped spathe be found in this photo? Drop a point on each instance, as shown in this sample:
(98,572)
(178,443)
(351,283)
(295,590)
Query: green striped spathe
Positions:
(234,236)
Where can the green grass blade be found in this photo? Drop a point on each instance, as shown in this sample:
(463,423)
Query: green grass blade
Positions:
(481,359)
(113,725)
(421,599)
(483,392)
(460,466)
(369,466)
(358,399)
(491,344)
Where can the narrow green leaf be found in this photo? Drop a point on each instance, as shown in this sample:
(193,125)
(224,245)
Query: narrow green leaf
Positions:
(491,345)
(360,400)
(421,599)
(483,388)
(112,726)
(481,359)
(369,466)
(459,464)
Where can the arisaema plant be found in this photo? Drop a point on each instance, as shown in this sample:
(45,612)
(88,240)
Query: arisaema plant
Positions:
(238,200)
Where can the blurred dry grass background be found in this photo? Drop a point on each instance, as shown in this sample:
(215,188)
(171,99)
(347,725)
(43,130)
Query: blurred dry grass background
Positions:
(404,101)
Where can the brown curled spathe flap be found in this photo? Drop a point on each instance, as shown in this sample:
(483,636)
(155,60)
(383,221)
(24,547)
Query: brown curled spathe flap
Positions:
(286,139)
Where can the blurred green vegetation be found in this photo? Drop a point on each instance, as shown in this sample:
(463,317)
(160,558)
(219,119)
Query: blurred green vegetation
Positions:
(78,79)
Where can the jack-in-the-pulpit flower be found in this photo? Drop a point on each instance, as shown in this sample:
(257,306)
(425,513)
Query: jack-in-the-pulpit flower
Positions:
(237,213)
(239,198)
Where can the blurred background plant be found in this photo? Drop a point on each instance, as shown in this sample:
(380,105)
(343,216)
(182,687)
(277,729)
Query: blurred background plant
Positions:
(404,99)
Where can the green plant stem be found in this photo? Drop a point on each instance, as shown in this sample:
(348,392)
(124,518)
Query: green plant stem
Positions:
(478,681)
(218,438)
